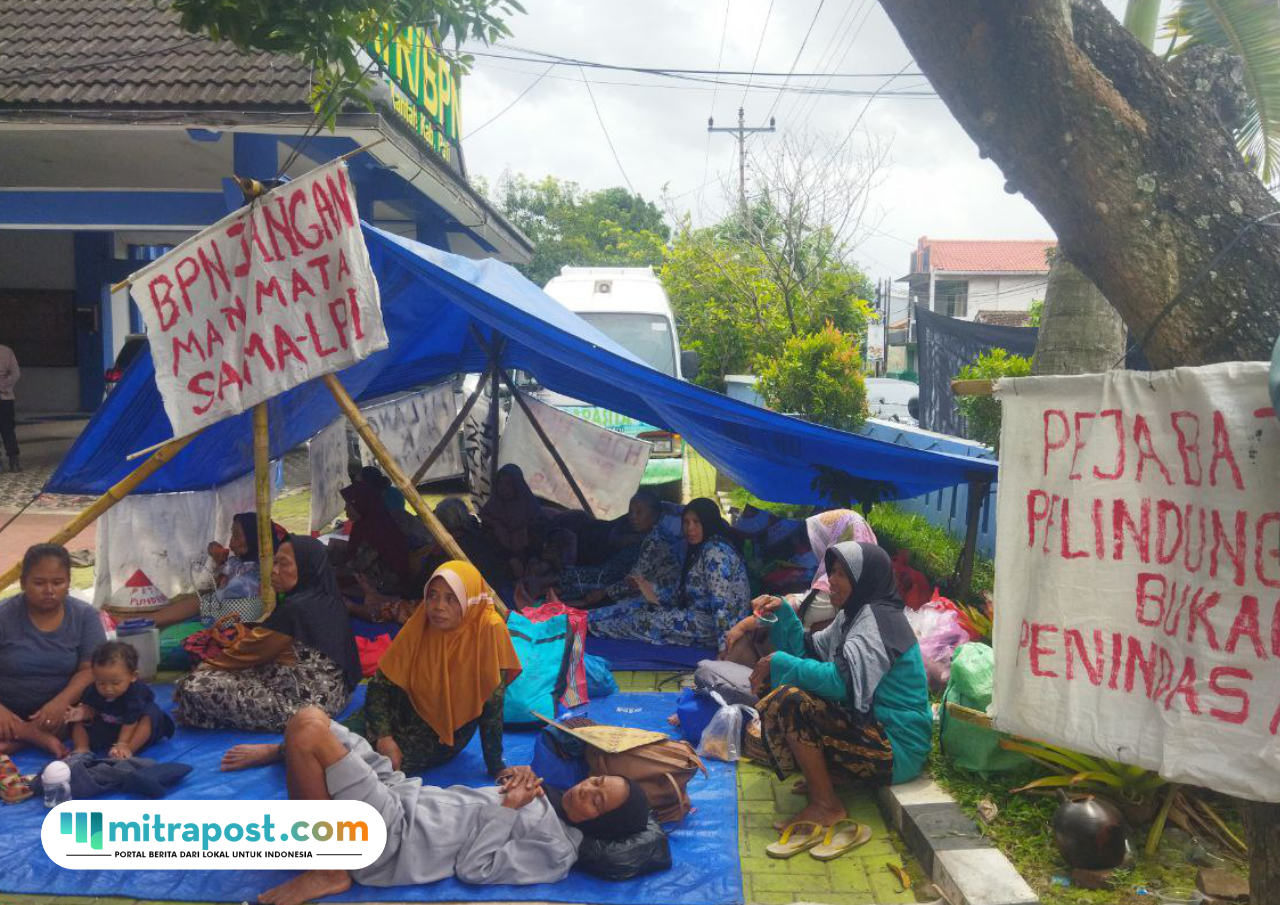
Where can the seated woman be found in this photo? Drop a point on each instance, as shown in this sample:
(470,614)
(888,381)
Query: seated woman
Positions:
(513,520)
(591,587)
(392,497)
(237,575)
(851,698)
(710,596)
(516,832)
(443,677)
(47,639)
(303,653)
(376,547)
(748,641)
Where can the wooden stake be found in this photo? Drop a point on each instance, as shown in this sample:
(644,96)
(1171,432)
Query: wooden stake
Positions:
(452,429)
(972,387)
(262,494)
(977,494)
(117,493)
(393,470)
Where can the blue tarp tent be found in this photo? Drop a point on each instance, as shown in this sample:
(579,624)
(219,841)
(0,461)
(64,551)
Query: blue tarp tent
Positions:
(431,300)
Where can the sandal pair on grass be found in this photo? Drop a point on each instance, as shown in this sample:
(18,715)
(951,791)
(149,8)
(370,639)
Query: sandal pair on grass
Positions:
(826,843)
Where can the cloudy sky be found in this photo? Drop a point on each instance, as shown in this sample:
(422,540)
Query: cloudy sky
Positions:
(935,183)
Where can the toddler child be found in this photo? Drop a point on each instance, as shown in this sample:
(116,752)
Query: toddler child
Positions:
(118,713)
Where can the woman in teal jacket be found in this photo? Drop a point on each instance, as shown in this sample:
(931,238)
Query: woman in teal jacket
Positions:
(852,697)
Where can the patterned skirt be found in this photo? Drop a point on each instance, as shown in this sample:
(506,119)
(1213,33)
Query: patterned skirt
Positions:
(859,748)
(261,698)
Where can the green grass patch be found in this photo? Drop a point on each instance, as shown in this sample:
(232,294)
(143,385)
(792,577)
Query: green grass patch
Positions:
(740,498)
(933,551)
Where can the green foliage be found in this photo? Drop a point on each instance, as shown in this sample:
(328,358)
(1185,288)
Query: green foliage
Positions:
(325,34)
(741,498)
(1250,31)
(933,551)
(819,376)
(608,228)
(1036,310)
(734,309)
(983,412)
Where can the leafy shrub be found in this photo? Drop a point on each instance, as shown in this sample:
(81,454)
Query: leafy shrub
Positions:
(933,551)
(819,376)
(983,412)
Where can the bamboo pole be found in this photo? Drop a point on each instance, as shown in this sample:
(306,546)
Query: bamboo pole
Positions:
(393,470)
(262,493)
(452,429)
(114,495)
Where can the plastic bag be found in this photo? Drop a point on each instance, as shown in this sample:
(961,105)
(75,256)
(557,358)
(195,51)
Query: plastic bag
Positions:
(722,739)
(621,859)
(937,627)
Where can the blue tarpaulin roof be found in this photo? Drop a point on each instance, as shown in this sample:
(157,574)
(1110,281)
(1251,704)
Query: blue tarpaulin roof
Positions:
(431,300)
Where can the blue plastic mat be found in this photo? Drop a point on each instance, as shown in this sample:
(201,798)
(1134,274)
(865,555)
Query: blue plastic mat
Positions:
(704,847)
(639,655)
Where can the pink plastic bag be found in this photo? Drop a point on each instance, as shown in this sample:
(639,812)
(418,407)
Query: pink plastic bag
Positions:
(937,627)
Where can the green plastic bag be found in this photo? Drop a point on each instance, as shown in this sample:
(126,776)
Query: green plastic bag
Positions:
(968,746)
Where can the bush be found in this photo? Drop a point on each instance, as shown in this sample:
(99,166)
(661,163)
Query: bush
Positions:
(818,376)
(983,412)
(933,551)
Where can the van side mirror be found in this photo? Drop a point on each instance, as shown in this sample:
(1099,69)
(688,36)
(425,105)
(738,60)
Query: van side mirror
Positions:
(690,363)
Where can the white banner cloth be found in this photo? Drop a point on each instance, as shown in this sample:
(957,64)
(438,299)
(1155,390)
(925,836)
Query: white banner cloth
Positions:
(410,427)
(270,296)
(608,466)
(165,535)
(327,457)
(1137,611)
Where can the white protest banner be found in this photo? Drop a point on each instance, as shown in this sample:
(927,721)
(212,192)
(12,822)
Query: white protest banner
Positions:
(410,426)
(327,457)
(608,466)
(270,296)
(1137,611)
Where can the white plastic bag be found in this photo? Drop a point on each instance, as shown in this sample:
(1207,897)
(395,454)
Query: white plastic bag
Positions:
(722,739)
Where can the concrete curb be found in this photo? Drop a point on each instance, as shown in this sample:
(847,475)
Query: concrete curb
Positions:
(950,847)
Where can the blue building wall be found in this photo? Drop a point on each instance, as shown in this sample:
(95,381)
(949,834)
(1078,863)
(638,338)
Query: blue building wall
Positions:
(944,508)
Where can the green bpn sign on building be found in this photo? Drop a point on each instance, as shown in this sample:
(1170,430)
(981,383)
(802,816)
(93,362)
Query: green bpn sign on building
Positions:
(424,91)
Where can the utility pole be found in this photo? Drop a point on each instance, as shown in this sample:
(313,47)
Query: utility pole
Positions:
(741,131)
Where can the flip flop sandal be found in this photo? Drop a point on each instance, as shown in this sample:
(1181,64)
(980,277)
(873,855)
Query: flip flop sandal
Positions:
(13,788)
(842,836)
(786,847)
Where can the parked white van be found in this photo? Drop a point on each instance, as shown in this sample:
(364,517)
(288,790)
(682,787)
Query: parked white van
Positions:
(629,305)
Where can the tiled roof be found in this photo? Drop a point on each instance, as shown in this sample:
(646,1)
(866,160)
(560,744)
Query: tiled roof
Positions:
(981,255)
(1003,318)
(129,54)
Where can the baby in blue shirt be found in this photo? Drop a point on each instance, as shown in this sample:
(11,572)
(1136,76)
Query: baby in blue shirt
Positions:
(118,713)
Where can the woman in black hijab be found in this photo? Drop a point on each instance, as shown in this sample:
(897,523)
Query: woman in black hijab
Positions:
(302,654)
(851,698)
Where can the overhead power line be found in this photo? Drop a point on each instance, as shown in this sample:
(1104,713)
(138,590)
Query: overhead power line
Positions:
(519,97)
(796,62)
(764,30)
(539,56)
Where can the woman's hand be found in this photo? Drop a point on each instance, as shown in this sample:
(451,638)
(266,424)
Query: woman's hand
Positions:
(518,795)
(736,634)
(761,676)
(9,723)
(217,552)
(646,588)
(51,717)
(766,605)
(513,777)
(387,747)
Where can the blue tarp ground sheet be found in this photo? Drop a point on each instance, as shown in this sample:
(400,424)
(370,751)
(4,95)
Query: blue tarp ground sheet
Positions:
(704,847)
(639,655)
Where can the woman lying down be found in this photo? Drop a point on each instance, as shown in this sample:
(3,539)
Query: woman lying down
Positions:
(516,832)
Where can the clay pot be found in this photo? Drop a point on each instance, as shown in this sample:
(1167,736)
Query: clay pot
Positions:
(1090,832)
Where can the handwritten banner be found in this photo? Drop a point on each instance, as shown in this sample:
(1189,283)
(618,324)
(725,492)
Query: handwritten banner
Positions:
(1138,571)
(410,426)
(275,294)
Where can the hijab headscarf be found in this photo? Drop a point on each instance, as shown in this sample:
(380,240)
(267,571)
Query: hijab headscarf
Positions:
(627,819)
(516,516)
(836,526)
(713,525)
(248,522)
(376,528)
(872,573)
(313,612)
(450,675)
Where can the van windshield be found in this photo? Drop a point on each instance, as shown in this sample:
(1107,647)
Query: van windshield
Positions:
(646,336)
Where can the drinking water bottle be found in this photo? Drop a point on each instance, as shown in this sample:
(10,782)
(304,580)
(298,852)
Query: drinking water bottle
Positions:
(56,780)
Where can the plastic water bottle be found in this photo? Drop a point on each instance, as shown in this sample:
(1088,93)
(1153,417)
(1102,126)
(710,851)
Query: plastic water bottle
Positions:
(56,780)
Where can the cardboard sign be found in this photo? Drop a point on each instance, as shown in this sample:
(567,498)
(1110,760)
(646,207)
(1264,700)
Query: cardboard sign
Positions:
(275,294)
(1137,611)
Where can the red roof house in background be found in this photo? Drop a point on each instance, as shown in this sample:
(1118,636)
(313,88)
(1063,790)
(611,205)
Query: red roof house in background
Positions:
(962,277)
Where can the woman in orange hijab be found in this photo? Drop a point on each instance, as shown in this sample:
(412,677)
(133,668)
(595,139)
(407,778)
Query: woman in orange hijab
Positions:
(443,676)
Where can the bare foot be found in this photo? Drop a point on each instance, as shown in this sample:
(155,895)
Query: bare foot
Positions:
(49,743)
(823,815)
(242,757)
(840,782)
(314,884)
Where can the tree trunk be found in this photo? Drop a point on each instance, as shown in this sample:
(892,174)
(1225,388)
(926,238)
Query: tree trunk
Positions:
(1131,167)
(1080,333)
(1262,827)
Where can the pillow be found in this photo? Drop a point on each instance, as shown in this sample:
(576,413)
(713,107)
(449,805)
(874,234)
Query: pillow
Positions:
(621,859)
